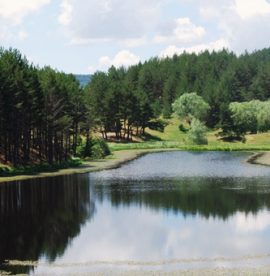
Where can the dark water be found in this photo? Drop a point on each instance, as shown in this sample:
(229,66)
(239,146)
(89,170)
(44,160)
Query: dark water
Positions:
(163,211)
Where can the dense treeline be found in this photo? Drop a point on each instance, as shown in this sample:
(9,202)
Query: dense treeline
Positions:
(41,112)
(125,100)
(44,113)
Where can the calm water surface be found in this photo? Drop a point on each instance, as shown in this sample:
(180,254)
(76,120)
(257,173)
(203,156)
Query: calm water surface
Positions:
(163,211)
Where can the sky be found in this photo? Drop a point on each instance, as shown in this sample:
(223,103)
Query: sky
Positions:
(83,36)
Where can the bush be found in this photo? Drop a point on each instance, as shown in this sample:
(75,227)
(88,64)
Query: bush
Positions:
(197,133)
(4,171)
(99,148)
(182,128)
(94,148)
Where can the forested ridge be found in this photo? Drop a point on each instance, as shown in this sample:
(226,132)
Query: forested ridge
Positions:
(44,113)
(125,99)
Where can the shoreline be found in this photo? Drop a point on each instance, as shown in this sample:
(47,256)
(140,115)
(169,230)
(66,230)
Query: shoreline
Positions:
(113,161)
(260,158)
(116,160)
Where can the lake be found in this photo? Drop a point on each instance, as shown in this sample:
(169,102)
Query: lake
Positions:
(169,211)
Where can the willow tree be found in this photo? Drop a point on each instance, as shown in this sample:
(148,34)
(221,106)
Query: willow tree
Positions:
(190,106)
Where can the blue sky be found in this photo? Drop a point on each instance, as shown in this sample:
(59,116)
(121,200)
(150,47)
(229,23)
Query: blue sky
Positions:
(88,35)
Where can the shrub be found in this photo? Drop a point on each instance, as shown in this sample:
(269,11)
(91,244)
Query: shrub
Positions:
(197,133)
(4,171)
(94,148)
(99,148)
(182,128)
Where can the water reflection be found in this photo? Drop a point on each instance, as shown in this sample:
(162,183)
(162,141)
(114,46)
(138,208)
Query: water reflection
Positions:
(139,212)
(208,197)
(41,217)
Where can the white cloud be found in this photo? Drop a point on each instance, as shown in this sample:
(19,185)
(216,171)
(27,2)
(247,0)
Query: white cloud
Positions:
(109,20)
(245,24)
(15,10)
(11,33)
(123,58)
(209,12)
(66,13)
(249,34)
(184,31)
(129,43)
(249,8)
(12,13)
(212,46)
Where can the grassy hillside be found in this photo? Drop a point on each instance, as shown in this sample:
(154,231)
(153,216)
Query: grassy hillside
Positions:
(172,137)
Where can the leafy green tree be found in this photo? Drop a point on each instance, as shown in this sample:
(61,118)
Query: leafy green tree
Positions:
(263,117)
(250,116)
(190,106)
(244,116)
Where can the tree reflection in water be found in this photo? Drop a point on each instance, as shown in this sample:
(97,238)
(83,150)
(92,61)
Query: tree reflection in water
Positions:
(206,196)
(41,217)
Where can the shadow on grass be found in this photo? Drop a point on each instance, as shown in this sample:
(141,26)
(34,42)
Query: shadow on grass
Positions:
(150,138)
(144,137)
(122,141)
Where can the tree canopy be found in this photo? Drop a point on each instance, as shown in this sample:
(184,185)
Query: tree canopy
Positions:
(250,116)
(190,106)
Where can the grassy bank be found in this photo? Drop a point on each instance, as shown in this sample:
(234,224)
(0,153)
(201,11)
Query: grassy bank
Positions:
(174,145)
(172,137)
(6,171)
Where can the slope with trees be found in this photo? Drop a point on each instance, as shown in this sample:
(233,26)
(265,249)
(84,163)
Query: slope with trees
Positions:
(146,91)
(47,117)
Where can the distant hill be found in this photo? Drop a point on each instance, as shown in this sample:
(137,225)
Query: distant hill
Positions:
(83,79)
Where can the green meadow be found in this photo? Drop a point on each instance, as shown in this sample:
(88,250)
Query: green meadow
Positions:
(172,137)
